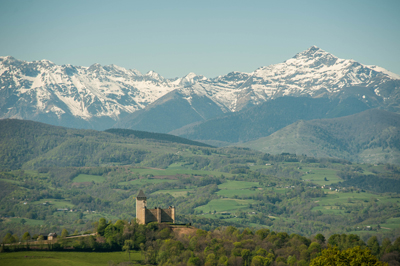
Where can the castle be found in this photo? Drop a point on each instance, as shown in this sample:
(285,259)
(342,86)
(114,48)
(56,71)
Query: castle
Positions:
(144,215)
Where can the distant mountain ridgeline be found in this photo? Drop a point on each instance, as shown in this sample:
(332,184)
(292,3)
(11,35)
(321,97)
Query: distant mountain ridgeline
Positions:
(28,144)
(371,136)
(101,97)
(155,136)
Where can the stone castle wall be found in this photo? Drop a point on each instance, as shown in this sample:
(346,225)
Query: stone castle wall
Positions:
(167,215)
(151,215)
(144,215)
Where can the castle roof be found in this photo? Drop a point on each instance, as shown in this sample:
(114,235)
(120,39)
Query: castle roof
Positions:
(141,194)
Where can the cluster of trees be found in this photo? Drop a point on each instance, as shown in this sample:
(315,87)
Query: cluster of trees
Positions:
(162,244)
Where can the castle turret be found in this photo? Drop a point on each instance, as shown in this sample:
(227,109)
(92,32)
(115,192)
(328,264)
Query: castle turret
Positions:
(141,204)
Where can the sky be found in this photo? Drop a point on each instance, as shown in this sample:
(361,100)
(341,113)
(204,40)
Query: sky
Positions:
(209,38)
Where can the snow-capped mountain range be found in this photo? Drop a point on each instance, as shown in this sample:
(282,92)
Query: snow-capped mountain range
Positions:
(100,96)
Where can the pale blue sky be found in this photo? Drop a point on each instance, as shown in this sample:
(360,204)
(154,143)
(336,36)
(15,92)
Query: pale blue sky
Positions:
(210,38)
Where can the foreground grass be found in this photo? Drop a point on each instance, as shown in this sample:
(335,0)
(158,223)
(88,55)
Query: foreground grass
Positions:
(44,258)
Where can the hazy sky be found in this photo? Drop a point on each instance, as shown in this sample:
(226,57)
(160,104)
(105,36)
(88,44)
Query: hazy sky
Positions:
(210,38)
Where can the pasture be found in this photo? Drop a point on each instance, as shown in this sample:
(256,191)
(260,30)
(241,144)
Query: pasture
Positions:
(230,189)
(317,175)
(392,223)
(44,258)
(58,203)
(224,205)
(334,202)
(27,221)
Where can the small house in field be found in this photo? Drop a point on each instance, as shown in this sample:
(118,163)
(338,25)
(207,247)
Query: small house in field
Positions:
(51,236)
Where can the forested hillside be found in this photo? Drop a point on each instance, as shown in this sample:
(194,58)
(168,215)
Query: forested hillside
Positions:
(371,136)
(30,145)
(55,178)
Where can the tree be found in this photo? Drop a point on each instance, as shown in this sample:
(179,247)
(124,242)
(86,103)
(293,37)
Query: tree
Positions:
(353,256)
(246,256)
(26,236)
(128,246)
(102,226)
(64,233)
(373,245)
(320,238)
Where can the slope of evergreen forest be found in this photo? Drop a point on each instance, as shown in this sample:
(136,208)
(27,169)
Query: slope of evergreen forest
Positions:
(265,119)
(371,136)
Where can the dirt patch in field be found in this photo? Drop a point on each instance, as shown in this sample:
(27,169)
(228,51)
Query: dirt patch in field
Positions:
(183,230)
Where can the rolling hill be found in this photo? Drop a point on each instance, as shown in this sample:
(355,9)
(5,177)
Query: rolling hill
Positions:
(30,145)
(371,136)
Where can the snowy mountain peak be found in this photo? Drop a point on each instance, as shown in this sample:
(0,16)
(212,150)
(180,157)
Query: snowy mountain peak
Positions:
(8,57)
(95,67)
(189,80)
(313,52)
(154,75)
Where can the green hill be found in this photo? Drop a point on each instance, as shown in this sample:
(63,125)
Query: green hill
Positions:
(28,144)
(371,136)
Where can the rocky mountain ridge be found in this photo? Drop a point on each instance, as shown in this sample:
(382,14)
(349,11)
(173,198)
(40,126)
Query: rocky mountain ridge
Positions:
(100,96)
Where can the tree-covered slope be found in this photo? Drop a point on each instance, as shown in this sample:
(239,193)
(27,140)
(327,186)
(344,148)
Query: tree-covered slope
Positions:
(28,144)
(371,136)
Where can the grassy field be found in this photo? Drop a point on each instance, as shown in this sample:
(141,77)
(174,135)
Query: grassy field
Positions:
(222,205)
(317,175)
(392,223)
(27,221)
(329,204)
(58,203)
(88,178)
(231,193)
(237,185)
(231,188)
(44,258)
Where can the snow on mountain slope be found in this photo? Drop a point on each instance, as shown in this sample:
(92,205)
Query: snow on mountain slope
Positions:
(85,92)
(29,90)
(311,73)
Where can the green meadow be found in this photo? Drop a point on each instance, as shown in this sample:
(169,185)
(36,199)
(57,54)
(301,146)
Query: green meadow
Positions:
(392,223)
(223,205)
(229,184)
(58,203)
(318,175)
(50,258)
(27,221)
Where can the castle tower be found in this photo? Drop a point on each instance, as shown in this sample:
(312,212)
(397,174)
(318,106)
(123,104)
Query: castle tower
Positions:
(141,204)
